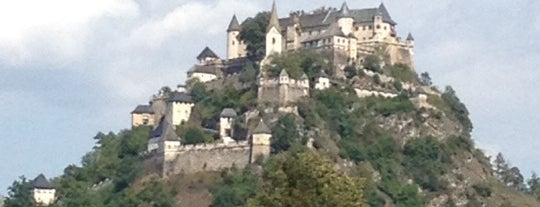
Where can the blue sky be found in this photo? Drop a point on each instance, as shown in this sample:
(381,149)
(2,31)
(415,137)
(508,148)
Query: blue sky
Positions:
(71,68)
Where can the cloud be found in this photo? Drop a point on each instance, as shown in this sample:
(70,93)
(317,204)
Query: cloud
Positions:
(55,31)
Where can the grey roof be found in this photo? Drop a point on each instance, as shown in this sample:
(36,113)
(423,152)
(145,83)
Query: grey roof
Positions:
(324,19)
(331,31)
(143,109)
(344,11)
(262,128)
(165,130)
(209,69)
(180,97)
(322,74)
(234,25)
(283,73)
(41,182)
(410,37)
(385,15)
(228,112)
(303,77)
(207,53)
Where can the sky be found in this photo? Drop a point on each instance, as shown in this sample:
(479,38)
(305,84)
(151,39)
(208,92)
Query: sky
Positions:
(72,68)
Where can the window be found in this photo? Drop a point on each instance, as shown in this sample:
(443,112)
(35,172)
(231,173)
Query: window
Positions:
(370,27)
(232,42)
(378,26)
(273,40)
(384,27)
(364,27)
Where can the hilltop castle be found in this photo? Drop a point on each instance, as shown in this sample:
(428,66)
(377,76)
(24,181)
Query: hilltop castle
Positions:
(347,35)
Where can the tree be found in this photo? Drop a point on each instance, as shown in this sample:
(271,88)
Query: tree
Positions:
(372,63)
(534,186)
(249,73)
(193,134)
(253,33)
(20,194)
(457,108)
(236,189)
(198,91)
(284,134)
(307,179)
(425,79)
(501,167)
(350,71)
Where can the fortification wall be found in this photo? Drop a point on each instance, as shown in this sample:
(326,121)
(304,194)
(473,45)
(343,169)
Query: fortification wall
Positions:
(197,158)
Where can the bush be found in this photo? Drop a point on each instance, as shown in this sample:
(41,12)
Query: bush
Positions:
(483,189)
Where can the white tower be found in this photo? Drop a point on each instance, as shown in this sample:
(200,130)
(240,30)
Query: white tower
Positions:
(260,141)
(233,42)
(345,19)
(274,39)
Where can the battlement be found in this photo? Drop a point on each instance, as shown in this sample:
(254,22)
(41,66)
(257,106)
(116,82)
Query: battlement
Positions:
(240,145)
(275,82)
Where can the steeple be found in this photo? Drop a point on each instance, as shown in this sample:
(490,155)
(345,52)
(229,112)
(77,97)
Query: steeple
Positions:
(383,12)
(234,25)
(344,11)
(410,37)
(274,21)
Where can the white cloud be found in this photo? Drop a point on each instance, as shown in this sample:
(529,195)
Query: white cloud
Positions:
(208,19)
(52,31)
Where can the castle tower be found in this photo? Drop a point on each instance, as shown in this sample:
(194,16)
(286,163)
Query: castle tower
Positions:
(260,141)
(43,191)
(274,39)
(180,105)
(345,19)
(410,40)
(284,81)
(233,42)
(226,123)
(322,82)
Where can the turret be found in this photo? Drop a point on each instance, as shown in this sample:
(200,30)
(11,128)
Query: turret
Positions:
(322,82)
(345,19)
(410,39)
(233,42)
(260,141)
(43,191)
(273,34)
(283,77)
(226,122)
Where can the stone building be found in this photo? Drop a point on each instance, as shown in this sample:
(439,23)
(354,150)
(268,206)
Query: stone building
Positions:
(349,35)
(43,191)
(282,90)
(322,81)
(142,115)
(167,155)
(180,104)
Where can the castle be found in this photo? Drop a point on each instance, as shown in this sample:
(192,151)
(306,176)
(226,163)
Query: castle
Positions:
(347,35)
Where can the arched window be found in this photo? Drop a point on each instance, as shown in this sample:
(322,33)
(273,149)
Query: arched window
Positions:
(273,40)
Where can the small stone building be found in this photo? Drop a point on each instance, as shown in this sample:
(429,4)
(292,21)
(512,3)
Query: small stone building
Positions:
(142,115)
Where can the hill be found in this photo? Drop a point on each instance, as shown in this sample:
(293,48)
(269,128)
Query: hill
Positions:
(306,127)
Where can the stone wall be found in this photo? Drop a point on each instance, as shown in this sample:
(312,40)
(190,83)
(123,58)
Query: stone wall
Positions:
(197,158)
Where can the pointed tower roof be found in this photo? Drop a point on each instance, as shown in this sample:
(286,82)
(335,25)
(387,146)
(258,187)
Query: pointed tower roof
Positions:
(274,21)
(410,37)
(283,73)
(322,74)
(303,77)
(385,15)
(262,128)
(41,182)
(207,53)
(234,25)
(228,113)
(344,11)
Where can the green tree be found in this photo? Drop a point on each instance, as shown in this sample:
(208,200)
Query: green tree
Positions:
(457,108)
(534,186)
(20,194)
(237,187)
(284,134)
(425,79)
(193,134)
(372,63)
(253,33)
(249,73)
(307,179)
